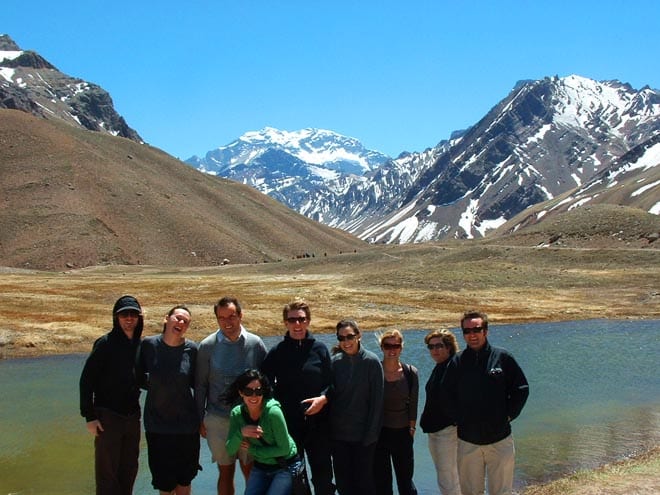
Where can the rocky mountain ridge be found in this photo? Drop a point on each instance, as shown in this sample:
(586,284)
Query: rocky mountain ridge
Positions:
(30,83)
(544,139)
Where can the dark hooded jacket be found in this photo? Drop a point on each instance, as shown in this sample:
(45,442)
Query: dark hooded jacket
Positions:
(108,378)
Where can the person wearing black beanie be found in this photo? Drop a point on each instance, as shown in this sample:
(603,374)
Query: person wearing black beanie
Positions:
(109,400)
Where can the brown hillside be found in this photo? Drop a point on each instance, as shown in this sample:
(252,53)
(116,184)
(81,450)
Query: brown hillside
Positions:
(77,198)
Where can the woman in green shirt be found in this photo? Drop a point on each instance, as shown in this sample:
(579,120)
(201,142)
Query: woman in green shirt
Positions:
(258,425)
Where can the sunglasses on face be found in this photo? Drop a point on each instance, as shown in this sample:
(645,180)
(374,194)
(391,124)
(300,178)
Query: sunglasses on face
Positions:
(435,346)
(249,392)
(467,331)
(348,336)
(391,347)
(296,319)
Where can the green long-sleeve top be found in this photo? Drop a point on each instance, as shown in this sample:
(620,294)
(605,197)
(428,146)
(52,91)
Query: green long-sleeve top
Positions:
(276,439)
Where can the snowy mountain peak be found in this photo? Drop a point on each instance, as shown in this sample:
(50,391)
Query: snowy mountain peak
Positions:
(319,149)
(582,102)
(544,139)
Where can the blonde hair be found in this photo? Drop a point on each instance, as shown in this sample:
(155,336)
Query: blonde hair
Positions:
(389,334)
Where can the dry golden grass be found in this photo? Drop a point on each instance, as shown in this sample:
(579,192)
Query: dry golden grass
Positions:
(636,476)
(418,286)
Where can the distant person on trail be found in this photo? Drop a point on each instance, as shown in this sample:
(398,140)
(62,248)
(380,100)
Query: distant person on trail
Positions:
(486,391)
(222,357)
(166,370)
(395,443)
(109,396)
(441,429)
(299,367)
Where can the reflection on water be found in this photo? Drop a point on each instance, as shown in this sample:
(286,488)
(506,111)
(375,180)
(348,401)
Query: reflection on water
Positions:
(594,397)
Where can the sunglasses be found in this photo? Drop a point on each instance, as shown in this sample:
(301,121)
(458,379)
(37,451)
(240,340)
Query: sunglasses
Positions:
(249,392)
(467,331)
(435,346)
(296,319)
(349,336)
(391,347)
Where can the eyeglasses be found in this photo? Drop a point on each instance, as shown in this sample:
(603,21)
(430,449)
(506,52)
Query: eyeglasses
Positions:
(296,319)
(249,392)
(348,336)
(435,346)
(467,331)
(391,347)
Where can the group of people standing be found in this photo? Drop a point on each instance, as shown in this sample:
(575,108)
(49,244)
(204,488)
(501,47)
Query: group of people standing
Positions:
(350,415)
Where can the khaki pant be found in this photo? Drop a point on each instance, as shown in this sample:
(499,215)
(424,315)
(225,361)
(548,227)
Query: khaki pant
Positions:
(494,461)
(443,449)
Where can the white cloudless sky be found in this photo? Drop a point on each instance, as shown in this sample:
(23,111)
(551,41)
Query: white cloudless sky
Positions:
(191,76)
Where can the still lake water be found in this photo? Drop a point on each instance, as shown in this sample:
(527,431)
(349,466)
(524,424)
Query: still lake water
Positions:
(594,398)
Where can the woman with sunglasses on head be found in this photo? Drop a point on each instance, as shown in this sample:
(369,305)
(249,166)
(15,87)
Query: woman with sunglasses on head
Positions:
(299,367)
(395,444)
(356,411)
(257,424)
(441,429)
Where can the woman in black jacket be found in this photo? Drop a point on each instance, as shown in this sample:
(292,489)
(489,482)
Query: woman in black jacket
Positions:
(441,429)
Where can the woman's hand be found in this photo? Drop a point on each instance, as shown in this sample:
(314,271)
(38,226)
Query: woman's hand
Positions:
(252,431)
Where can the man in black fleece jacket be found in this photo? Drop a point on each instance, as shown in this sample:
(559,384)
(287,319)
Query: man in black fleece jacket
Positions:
(109,396)
(486,391)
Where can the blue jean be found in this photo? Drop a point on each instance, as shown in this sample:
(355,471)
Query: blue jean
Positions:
(275,481)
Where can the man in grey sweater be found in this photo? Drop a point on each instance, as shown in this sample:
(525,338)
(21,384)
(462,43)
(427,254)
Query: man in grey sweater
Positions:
(221,358)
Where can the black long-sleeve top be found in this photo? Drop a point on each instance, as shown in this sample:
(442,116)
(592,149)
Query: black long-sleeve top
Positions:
(298,369)
(434,418)
(487,389)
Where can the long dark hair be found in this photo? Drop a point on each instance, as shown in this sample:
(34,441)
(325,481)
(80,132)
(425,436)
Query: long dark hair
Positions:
(233,396)
(336,349)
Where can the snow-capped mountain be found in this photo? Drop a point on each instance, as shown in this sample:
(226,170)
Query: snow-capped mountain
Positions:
(30,83)
(632,178)
(545,138)
(326,153)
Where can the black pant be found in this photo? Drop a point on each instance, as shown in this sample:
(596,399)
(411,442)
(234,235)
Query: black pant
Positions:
(354,465)
(394,448)
(116,452)
(318,450)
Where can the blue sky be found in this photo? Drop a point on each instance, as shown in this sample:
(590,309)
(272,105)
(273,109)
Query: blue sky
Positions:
(397,75)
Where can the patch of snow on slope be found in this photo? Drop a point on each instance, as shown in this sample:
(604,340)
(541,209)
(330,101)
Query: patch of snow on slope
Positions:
(9,54)
(487,225)
(467,217)
(645,188)
(539,135)
(7,73)
(427,232)
(655,209)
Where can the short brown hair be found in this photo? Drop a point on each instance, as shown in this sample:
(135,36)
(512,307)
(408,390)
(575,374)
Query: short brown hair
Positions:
(447,337)
(295,306)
